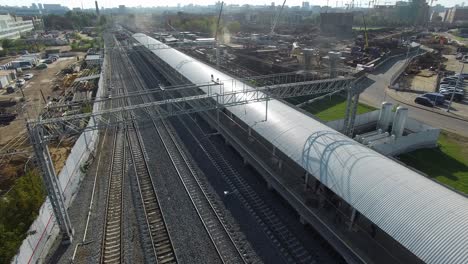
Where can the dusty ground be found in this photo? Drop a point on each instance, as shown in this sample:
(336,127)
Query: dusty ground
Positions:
(421,82)
(59,156)
(417,84)
(42,81)
(453,64)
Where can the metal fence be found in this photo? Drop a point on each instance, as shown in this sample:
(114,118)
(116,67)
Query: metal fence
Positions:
(397,74)
(44,230)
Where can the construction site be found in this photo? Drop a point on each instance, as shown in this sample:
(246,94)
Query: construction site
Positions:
(256,142)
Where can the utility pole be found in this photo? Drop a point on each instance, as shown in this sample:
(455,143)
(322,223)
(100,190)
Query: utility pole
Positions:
(216,35)
(51,181)
(459,82)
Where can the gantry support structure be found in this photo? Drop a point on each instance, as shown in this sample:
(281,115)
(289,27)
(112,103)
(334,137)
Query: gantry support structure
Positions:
(217,97)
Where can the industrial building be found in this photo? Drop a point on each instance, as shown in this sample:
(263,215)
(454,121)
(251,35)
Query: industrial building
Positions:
(389,213)
(455,15)
(12,27)
(6,78)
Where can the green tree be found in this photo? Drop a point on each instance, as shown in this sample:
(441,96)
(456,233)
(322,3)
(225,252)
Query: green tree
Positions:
(18,209)
(8,43)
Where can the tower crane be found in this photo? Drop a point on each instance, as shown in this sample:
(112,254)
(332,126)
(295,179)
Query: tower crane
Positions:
(216,34)
(275,22)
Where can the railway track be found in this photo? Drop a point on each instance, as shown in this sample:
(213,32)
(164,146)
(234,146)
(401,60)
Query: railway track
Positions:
(112,244)
(112,239)
(290,248)
(227,240)
(161,248)
(230,247)
(159,234)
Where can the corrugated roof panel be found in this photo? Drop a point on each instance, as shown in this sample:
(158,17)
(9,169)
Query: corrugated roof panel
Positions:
(428,219)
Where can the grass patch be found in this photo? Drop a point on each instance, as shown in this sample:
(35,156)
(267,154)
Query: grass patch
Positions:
(448,163)
(18,209)
(333,108)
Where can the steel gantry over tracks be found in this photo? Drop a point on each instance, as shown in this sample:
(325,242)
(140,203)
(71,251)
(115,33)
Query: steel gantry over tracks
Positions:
(50,128)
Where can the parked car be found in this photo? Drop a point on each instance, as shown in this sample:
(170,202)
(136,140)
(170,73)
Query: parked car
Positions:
(457,97)
(442,91)
(448,87)
(48,61)
(464,59)
(459,56)
(20,82)
(41,66)
(437,98)
(459,85)
(464,75)
(28,76)
(424,101)
(449,83)
(451,89)
(10,89)
(450,79)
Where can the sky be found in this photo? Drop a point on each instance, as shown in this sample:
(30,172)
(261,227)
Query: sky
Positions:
(145,3)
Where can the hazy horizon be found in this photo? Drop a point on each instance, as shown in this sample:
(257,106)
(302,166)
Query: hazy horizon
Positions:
(149,3)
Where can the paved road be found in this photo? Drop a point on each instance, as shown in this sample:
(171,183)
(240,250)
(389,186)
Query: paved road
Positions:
(452,37)
(375,94)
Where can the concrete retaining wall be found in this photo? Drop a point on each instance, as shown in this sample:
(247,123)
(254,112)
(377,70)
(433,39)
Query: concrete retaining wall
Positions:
(359,121)
(422,136)
(419,135)
(44,230)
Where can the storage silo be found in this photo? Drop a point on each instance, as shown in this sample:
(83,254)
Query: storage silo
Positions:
(399,121)
(385,116)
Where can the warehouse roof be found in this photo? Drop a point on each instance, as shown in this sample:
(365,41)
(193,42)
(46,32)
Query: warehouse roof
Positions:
(428,219)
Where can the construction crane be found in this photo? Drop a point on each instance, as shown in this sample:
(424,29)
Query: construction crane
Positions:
(216,35)
(275,22)
(366,39)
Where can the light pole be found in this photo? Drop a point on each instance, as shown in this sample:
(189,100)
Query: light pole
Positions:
(459,81)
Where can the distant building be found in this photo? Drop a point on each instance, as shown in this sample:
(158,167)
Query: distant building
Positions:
(40,6)
(305,5)
(122,9)
(415,12)
(456,15)
(11,27)
(336,23)
(55,9)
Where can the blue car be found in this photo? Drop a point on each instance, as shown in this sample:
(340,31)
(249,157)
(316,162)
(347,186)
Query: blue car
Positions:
(437,98)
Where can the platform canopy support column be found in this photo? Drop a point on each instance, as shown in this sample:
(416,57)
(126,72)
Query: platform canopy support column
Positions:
(352,102)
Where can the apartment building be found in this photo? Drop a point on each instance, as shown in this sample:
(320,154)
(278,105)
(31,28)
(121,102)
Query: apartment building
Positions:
(12,27)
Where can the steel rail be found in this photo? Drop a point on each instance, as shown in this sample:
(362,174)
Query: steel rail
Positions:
(112,249)
(216,226)
(112,244)
(161,241)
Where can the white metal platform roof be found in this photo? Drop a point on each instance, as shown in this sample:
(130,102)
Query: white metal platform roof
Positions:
(428,219)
